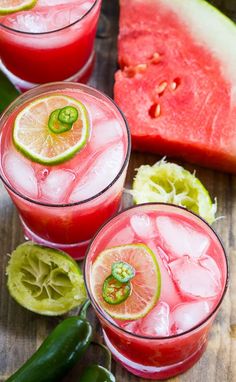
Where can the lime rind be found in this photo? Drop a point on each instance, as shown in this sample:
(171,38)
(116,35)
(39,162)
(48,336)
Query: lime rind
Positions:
(44,280)
(166,182)
(67,154)
(25,4)
(155,297)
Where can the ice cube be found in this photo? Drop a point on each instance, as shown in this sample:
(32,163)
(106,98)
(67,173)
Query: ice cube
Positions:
(56,185)
(193,279)
(105,133)
(209,263)
(129,326)
(143,226)
(32,22)
(124,236)
(20,174)
(169,291)
(86,5)
(44,19)
(96,111)
(156,323)
(49,15)
(104,171)
(52,3)
(188,315)
(180,238)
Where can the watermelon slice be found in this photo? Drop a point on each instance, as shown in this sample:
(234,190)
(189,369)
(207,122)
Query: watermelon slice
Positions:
(177,83)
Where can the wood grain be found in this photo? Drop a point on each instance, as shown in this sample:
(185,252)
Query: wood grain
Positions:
(21,332)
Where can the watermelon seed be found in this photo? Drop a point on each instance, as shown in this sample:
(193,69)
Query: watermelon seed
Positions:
(161,88)
(158,110)
(155,110)
(155,58)
(175,83)
(131,71)
(141,68)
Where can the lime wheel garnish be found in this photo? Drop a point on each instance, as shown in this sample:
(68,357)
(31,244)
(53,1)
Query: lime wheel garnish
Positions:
(145,285)
(11,6)
(169,183)
(42,136)
(44,280)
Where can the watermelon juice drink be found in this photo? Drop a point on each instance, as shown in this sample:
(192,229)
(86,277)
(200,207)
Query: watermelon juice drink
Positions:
(53,41)
(161,328)
(62,205)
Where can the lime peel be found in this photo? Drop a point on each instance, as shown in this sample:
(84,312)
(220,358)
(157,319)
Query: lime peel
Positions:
(44,280)
(21,5)
(166,182)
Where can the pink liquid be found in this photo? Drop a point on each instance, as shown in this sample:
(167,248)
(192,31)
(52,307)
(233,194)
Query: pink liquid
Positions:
(68,202)
(37,49)
(173,335)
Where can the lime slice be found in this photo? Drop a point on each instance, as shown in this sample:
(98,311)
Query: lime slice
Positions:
(169,183)
(32,136)
(145,285)
(44,280)
(10,6)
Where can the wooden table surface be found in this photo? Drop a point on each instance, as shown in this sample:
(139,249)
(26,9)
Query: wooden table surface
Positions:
(21,331)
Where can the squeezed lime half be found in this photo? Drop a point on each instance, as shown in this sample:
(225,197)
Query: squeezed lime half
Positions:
(44,280)
(170,183)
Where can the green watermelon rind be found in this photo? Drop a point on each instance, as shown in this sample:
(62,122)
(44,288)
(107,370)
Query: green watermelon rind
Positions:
(222,31)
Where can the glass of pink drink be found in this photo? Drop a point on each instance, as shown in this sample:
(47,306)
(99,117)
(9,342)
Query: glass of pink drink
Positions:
(194,273)
(53,41)
(63,205)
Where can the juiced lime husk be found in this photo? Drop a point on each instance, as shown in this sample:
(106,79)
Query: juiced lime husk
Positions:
(44,280)
(170,183)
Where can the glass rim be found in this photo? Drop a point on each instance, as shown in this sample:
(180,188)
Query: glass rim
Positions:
(52,31)
(33,92)
(109,320)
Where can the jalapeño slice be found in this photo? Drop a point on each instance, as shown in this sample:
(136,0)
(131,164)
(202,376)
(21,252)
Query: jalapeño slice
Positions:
(122,271)
(68,114)
(114,292)
(55,125)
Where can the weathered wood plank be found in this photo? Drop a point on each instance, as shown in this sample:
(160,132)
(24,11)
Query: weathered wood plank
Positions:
(21,332)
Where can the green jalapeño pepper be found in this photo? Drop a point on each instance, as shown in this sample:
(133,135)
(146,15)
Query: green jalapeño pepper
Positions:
(97,373)
(59,352)
(7,92)
(55,125)
(68,114)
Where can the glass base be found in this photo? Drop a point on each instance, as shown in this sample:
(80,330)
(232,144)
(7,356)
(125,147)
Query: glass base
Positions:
(77,250)
(155,373)
(81,76)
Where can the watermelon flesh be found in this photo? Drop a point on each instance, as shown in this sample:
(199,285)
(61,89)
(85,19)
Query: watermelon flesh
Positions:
(177,82)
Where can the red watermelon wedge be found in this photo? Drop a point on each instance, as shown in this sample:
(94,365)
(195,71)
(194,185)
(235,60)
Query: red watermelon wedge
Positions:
(177,82)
